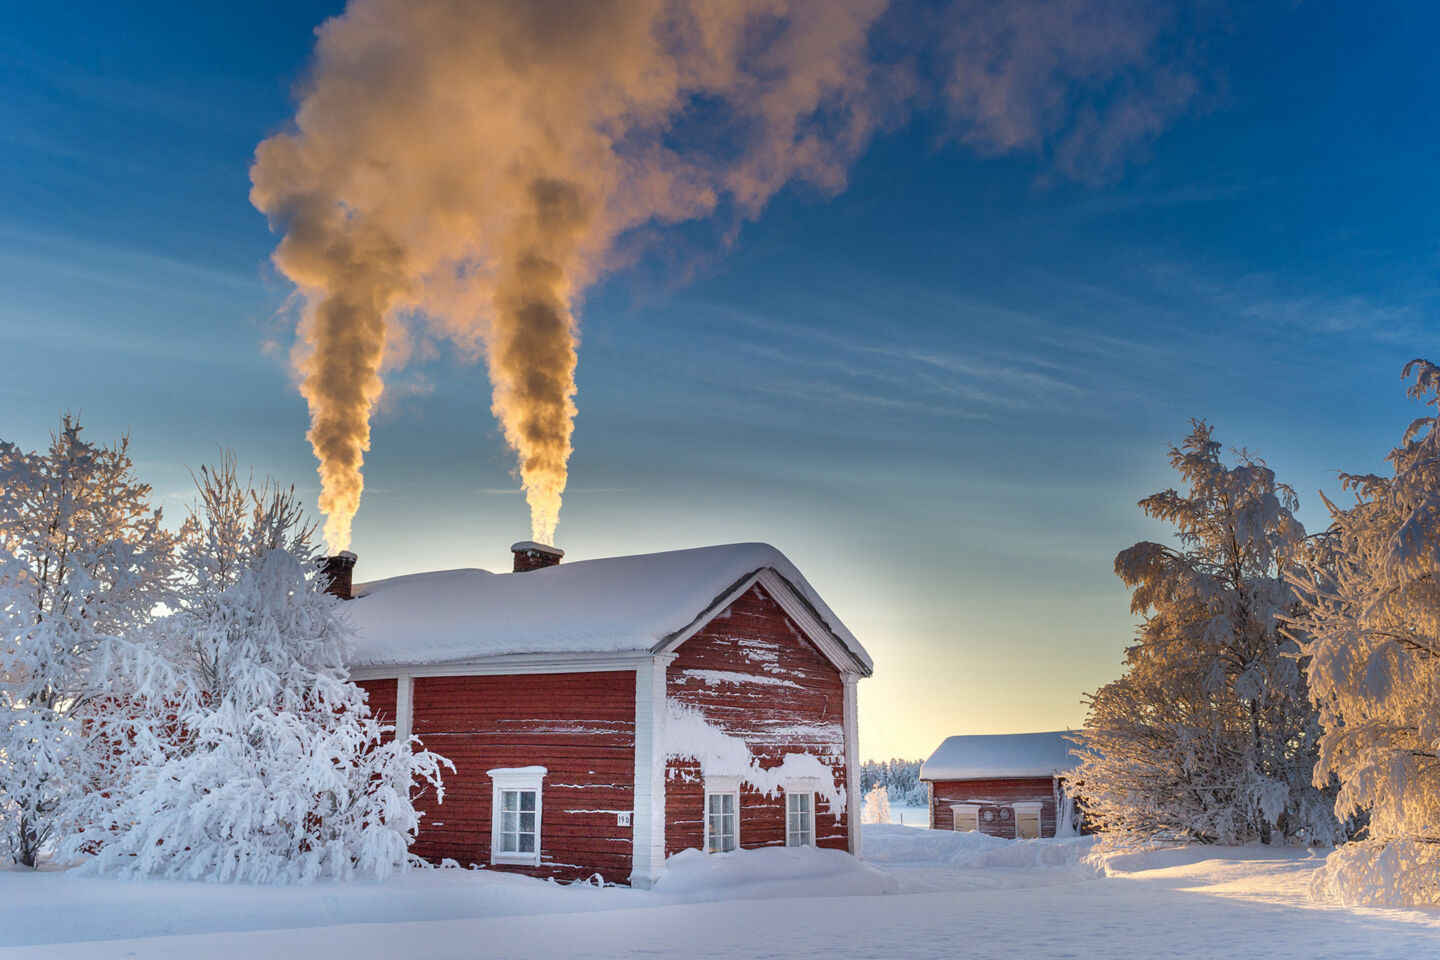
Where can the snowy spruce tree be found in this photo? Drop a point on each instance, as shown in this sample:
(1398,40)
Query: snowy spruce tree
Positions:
(1371,614)
(270,768)
(84,563)
(877,805)
(1208,734)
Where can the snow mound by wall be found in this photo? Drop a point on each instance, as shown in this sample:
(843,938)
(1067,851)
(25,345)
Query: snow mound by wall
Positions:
(771,872)
(1161,858)
(895,845)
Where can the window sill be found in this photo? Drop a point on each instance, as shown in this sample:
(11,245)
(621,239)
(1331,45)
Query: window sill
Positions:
(515,859)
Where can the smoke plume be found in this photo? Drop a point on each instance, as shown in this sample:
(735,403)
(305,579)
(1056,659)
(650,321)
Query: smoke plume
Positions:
(464,168)
(468,165)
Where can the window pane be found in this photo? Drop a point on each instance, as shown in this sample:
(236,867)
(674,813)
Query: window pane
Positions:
(1027,825)
(800,826)
(720,822)
(718,840)
(517,822)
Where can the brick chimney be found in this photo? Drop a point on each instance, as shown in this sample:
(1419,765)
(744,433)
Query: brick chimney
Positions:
(530,555)
(339,570)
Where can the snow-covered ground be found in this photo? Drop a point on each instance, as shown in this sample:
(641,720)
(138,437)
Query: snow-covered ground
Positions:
(910,816)
(921,894)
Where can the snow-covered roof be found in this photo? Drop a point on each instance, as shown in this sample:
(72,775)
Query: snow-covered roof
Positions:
(995,756)
(611,605)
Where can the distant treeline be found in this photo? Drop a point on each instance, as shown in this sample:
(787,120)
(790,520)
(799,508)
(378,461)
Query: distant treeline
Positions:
(901,778)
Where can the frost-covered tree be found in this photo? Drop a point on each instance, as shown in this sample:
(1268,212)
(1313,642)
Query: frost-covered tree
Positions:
(262,762)
(84,562)
(1372,619)
(1208,734)
(877,805)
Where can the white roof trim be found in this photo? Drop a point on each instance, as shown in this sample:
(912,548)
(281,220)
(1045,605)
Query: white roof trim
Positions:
(518,663)
(796,608)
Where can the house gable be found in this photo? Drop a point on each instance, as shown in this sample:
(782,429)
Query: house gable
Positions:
(755,675)
(791,601)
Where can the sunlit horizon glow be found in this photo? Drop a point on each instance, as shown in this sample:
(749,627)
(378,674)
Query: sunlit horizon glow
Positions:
(938,378)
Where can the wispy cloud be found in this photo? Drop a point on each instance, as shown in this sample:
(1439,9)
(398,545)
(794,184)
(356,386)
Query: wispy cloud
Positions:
(931,352)
(1265,300)
(121,267)
(1085,84)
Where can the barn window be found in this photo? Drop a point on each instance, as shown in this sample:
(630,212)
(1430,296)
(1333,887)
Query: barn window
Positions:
(967,817)
(515,818)
(799,819)
(1027,821)
(722,814)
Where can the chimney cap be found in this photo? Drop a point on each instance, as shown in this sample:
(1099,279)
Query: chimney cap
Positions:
(530,546)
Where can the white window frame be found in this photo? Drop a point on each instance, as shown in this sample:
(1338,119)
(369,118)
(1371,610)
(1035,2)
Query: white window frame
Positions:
(516,778)
(971,810)
(803,787)
(720,787)
(1029,806)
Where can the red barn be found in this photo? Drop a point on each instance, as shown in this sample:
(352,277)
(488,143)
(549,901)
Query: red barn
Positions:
(1006,785)
(605,714)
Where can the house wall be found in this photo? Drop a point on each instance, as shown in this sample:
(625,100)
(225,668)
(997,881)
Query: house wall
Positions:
(994,796)
(580,726)
(753,675)
(382,701)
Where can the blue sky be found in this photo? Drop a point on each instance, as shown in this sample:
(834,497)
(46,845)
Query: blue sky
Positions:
(941,392)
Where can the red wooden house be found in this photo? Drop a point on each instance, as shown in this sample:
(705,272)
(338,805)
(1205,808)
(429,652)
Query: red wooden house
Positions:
(603,715)
(1005,785)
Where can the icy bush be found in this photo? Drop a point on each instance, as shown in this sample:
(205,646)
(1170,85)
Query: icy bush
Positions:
(244,753)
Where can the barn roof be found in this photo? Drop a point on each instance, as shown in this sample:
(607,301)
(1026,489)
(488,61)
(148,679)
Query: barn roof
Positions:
(614,605)
(997,756)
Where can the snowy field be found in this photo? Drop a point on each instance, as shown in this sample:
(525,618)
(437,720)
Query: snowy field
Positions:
(921,895)
(910,816)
